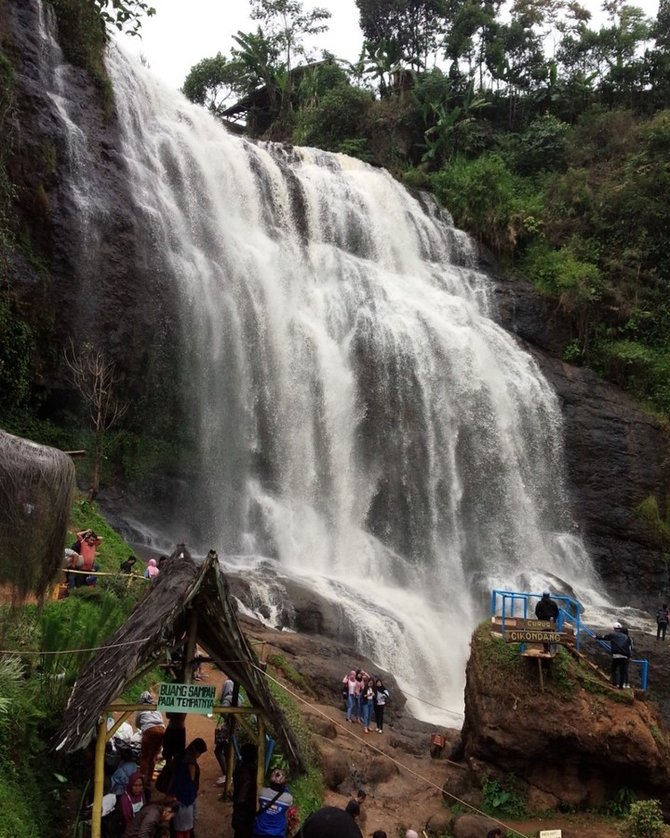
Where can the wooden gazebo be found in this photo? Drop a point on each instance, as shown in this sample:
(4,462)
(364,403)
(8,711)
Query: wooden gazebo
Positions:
(188,600)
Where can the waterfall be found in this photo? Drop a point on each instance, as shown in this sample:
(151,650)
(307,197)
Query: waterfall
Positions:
(365,427)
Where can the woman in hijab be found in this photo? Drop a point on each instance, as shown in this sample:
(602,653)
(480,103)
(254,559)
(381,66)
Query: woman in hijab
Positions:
(131,802)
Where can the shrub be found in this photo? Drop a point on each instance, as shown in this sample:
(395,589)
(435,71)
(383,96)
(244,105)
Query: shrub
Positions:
(644,820)
(488,200)
(503,798)
(336,118)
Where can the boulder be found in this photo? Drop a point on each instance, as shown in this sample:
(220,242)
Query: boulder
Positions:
(334,765)
(439,823)
(471,826)
(380,770)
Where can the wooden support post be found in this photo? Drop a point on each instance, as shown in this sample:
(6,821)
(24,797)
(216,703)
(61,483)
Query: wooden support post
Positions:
(260,776)
(230,751)
(99,777)
(539,669)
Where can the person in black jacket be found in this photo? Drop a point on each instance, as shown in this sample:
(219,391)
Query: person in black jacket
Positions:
(244,792)
(546,609)
(621,647)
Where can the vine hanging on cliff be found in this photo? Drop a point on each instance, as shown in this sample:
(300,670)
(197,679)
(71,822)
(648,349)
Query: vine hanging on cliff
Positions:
(124,15)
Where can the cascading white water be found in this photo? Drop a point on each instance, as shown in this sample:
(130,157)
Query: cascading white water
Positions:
(365,425)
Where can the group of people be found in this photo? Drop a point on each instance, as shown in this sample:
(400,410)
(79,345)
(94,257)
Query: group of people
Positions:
(81,566)
(151,571)
(365,696)
(135,813)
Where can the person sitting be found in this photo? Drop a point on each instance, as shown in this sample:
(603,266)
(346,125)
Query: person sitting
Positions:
(154,820)
(129,565)
(152,570)
(124,771)
(132,800)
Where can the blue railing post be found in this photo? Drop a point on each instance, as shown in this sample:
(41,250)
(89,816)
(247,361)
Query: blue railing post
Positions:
(494,595)
(504,602)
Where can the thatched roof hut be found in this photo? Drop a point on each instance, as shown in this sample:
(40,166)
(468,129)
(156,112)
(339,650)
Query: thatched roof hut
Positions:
(185,595)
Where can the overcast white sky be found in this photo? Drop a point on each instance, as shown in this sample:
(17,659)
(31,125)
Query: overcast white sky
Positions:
(185,31)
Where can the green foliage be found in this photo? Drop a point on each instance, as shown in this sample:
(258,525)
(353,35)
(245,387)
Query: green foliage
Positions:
(648,512)
(488,200)
(290,673)
(620,805)
(543,146)
(17,346)
(644,820)
(212,81)
(559,273)
(503,798)
(82,37)
(336,119)
(124,15)
(68,628)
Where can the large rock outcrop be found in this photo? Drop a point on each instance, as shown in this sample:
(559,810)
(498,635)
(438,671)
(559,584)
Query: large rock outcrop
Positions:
(577,743)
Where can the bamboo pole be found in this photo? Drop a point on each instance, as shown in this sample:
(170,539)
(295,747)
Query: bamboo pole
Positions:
(191,644)
(99,778)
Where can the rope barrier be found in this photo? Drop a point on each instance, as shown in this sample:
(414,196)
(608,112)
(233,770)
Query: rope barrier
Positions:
(396,762)
(105,573)
(436,706)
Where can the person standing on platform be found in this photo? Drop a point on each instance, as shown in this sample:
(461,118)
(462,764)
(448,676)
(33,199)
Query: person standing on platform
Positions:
(546,609)
(621,648)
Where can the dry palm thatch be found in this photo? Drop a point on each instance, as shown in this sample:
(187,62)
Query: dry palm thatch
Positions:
(156,625)
(36,488)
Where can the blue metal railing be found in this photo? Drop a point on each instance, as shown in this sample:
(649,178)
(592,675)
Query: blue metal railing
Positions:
(569,611)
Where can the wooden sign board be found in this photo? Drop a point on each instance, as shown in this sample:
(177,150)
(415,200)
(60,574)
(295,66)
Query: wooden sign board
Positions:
(551,833)
(520,623)
(526,636)
(186,698)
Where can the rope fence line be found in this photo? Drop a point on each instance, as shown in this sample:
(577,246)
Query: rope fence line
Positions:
(105,573)
(395,761)
(436,706)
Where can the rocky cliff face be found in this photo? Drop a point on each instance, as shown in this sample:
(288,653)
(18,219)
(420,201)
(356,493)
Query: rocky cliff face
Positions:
(74,282)
(77,274)
(617,455)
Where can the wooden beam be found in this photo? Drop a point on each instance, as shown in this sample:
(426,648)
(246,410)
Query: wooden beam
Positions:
(260,770)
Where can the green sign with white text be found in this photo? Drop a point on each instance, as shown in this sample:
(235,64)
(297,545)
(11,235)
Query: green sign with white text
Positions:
(186,698)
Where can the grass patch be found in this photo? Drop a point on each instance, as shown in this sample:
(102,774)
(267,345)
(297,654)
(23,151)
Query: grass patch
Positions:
(307,790)
(290,673)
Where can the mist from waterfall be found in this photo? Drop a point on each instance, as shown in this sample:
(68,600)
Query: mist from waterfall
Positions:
(365,426)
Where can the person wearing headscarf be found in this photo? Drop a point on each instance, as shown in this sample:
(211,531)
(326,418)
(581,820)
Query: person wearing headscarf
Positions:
(132,800)
(381,697)
(124,770)
(350,683)
(152,728)
(152,570)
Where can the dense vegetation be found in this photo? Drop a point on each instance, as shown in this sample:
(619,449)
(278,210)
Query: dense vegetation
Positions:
(547,138)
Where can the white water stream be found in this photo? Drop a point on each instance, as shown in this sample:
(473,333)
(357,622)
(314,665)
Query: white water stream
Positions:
(364,423)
